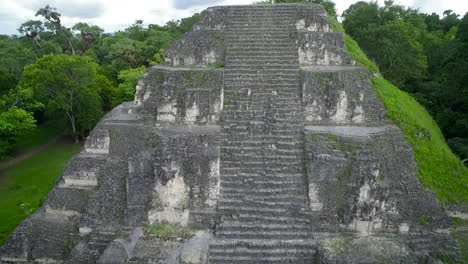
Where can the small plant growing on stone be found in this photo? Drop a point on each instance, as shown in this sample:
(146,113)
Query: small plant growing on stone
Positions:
(171,232)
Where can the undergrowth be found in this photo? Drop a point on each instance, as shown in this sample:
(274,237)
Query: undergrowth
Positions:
(438,168)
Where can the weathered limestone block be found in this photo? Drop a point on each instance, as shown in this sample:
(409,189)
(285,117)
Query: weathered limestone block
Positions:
(44,237)
(387,249)
(205,45)
(82,172)
(181,95)
(121,250)
(194,251)
(139,184)
(364,179)
(322,48)
(340,250)
(202,48)
(340,95)
(313,19)
(107,205)
(188,178)
(98,142)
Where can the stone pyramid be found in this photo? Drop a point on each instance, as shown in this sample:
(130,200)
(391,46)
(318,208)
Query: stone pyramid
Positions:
(259,131)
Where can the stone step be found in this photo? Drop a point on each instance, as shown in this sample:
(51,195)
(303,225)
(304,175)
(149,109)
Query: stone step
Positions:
(261,66)
(267,219)
(266,199)
(275,138)
(270,102)
(267,203)
(261,17)
(252,252)
(245,144)
(237,38)
(253,185)
(240,180)
(234,25)
(264,58)
(257,53)
(272,86)
(236,167)
(255,79)
(238,192)
(283,45)
(260,244)
(279,43)
(233,225)
(267,123)
(260,70)
(263,235)
(259,32)
(279,167)
(236,75)
(289,148)
(254,59)
(260,259)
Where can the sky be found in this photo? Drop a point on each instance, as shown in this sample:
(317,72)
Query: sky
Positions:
(113,15)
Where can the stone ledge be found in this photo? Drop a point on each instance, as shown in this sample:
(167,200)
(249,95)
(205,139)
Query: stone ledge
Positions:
(350,131)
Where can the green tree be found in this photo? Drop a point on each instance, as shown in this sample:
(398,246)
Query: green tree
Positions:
(395,48)
(15,119)
(54,23)
(14,122)
(32,30)
(7,83)
(68,87)
(126,89)
(14,57)
(89,35)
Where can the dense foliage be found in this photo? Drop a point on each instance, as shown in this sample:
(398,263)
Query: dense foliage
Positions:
(422,54)
(72,75)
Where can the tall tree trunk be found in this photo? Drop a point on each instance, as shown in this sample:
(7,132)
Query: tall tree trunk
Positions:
(36,39)
(71,45)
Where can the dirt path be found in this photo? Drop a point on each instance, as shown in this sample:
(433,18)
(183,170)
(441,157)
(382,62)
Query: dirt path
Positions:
(27,155)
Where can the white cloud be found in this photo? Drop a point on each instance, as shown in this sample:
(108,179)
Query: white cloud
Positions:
(113,15)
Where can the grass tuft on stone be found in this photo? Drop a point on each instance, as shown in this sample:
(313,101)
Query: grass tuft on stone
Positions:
(171,232)
(438,168)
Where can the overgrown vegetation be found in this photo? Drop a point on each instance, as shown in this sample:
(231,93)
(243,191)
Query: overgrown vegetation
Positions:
(424,55)
(439,168)
(171,232)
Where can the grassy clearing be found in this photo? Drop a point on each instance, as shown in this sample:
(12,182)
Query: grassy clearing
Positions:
(171,232)
(439,169)
(25,186)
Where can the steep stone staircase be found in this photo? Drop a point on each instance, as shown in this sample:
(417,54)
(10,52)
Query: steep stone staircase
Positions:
(263,194)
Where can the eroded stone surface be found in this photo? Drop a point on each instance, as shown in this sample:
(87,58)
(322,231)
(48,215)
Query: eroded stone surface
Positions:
(285,155)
